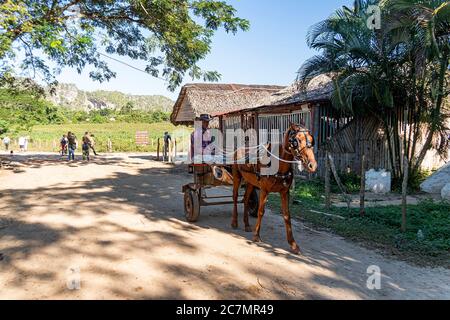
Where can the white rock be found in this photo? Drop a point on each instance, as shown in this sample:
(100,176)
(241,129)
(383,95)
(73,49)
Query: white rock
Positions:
(378,181)
(437,181)
(445,193)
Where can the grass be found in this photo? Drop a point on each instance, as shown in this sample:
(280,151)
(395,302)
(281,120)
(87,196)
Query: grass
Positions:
(380,227)
(122,135)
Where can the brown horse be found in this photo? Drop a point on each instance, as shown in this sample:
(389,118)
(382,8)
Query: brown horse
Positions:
(298,146)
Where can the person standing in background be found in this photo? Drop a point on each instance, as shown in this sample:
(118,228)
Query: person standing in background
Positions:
(6,142)
(167,141)
(72,145)
(86,140)
(22,143)
(92,143)
(64,141)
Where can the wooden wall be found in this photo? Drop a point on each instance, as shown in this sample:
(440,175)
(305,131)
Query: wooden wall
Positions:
(349,138)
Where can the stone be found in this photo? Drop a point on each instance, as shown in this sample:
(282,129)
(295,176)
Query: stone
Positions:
(378,181)
(437,181)
(445,192)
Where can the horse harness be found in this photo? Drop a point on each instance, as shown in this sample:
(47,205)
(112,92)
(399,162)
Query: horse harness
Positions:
(294,143)
(286,178)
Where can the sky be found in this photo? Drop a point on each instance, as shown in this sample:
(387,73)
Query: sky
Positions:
(271,52)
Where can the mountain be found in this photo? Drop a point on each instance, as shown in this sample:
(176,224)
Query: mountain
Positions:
(69,96)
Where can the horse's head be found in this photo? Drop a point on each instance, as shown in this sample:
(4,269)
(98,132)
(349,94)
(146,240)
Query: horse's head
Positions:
(300,143)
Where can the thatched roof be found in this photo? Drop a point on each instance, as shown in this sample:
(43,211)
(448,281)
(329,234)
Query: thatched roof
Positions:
(213,99)
(319,89)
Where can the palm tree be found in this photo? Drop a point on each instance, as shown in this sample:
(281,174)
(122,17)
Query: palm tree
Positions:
(360,61)
(374,70)
(424,27)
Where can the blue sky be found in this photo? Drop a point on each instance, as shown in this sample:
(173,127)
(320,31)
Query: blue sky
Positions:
(270,53)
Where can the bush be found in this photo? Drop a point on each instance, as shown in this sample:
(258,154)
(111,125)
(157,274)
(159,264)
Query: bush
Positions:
(4,126)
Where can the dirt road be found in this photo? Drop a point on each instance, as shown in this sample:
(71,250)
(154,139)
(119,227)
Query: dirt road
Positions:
(116,227)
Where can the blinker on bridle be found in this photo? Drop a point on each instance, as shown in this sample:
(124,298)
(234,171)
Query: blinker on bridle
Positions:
(294,143)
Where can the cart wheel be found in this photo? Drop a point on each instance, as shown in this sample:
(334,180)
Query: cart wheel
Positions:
(253,204)
(191,205)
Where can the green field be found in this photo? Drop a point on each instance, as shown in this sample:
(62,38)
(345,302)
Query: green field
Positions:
(122,136)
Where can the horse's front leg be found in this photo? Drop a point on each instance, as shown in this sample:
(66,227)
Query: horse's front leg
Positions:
(262,204)
(248,193)
(237,178)
(287,220)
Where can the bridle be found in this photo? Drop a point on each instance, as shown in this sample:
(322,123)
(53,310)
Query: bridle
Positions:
(294,144)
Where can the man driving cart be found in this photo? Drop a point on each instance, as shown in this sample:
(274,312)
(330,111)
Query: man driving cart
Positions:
(202,139)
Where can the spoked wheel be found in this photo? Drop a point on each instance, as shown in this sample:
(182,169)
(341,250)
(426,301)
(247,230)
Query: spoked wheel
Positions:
(253,204)
(191,205)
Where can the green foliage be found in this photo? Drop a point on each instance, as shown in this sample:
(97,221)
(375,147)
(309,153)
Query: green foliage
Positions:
(4,126)
(381,226)
(127,108)
(171,36)
(21,111)
(417,178)
(351,181)
(383,73)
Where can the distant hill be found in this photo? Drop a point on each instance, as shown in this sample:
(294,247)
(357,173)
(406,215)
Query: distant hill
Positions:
(69,96)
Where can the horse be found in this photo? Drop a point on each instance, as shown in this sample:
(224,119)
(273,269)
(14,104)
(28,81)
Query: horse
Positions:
(298,146)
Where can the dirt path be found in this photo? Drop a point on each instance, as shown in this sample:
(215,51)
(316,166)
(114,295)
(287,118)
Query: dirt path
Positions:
(119,221)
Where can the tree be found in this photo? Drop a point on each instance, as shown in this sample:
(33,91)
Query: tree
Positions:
(383,73)
(127,108)
(171,36)
(423,27)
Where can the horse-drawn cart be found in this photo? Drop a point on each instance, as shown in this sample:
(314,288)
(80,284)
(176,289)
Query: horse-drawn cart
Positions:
(198,195)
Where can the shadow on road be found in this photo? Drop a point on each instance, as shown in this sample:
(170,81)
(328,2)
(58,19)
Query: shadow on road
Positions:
(155,194)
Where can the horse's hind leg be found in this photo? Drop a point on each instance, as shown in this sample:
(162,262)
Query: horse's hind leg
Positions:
(237,179)
(248,193)
(262,204)
(287,220)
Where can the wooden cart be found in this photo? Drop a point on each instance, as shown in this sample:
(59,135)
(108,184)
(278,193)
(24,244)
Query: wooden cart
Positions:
(195,196)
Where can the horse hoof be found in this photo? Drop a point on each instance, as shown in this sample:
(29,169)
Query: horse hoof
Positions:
(295,249)
(248,229)
(234,225)
(256,239)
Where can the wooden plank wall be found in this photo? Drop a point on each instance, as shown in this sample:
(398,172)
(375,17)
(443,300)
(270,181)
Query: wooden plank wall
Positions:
(348,137)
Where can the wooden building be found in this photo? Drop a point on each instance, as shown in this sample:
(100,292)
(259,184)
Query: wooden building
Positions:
(272,107)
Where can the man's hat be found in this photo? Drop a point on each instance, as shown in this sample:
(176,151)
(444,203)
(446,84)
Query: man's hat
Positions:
(205,117)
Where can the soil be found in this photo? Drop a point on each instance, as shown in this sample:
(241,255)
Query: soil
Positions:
(114,229)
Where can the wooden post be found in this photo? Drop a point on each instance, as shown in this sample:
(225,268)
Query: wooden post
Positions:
(109,146)
(169,153)
(339,182)
(158,149)
(362,191)
(405,192)
(327,183)
(175,150)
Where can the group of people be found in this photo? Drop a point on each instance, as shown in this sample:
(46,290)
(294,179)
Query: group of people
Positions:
(69,144)
(23,143)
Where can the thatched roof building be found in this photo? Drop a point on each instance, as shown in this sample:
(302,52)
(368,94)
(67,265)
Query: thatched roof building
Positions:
(197,99)
(318,90)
